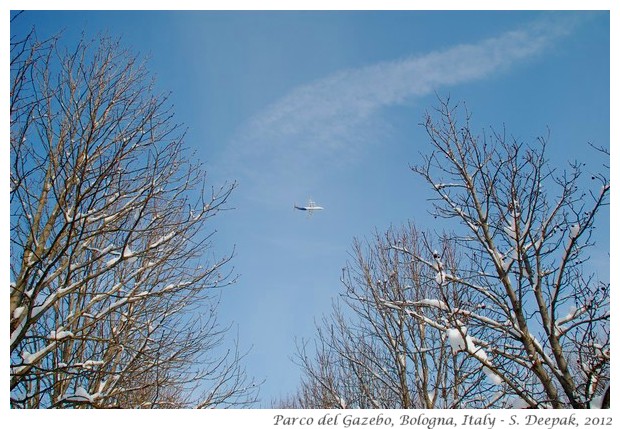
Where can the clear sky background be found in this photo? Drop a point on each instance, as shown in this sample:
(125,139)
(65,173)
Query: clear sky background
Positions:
(327,105)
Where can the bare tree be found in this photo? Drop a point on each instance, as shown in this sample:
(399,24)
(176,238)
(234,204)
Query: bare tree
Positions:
(113,278)
(526,230)
(503,313)
(383,344)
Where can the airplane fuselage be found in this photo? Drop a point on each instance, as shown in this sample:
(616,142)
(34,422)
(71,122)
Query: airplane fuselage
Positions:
(309,208)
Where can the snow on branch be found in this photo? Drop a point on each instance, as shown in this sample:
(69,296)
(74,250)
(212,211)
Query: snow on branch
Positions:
(80,394)
(459,340)
(415,314)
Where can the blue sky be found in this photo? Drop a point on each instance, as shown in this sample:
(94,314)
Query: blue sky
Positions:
(327,105)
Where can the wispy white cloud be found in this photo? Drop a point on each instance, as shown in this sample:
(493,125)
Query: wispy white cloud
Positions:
(331,118)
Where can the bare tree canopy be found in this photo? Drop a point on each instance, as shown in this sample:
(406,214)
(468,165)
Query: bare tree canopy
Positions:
(503,312)
(113,277)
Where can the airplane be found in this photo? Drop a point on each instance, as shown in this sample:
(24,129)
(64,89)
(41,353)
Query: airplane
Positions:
(310,208)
